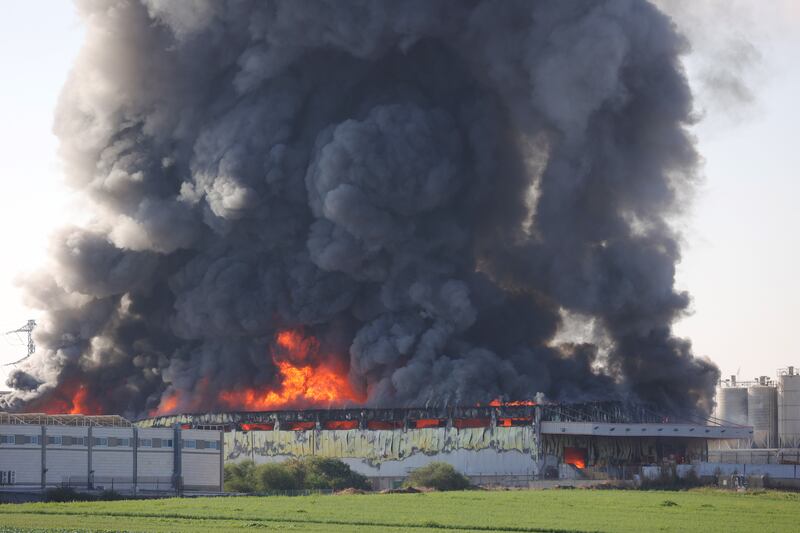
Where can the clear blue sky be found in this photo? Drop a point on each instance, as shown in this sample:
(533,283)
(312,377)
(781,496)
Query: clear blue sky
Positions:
(741,258)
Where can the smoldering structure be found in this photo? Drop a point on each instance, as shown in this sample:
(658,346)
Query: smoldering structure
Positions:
(423,190)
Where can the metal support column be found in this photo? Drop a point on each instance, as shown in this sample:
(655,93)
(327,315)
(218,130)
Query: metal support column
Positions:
(89,471)
(222,461)
(177,470)
(44,456)
(135,445)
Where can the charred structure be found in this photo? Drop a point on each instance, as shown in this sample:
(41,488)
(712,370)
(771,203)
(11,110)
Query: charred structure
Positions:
(498,444)
(446,202)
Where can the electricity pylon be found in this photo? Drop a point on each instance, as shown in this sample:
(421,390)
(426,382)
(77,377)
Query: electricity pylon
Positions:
(27,328)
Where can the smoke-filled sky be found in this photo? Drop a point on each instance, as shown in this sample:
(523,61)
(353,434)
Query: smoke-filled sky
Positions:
(739,257)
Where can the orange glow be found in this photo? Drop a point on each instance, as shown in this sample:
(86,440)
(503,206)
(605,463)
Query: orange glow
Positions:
(575,457)
(341,424)
(428,423)
(257,426)
(497,403)
(301,383)
(167,406)
(295,346)
(385,424)
(79,405)
(299,426)
(514,422)
(463,423)
(67,398)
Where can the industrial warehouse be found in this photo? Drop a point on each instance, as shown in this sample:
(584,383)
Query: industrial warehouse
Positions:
(755,429)
(106,453)
(507,445)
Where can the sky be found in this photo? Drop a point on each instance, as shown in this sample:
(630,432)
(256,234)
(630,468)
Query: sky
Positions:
(741,252)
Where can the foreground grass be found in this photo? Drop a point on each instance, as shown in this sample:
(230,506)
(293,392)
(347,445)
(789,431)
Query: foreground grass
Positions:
(549,510)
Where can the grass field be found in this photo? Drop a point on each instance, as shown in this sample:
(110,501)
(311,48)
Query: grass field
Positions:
(542,510)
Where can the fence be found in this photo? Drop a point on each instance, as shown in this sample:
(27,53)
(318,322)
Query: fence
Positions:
(755,456)
(143,484)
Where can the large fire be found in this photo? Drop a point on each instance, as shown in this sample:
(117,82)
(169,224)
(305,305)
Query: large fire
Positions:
(300,384)
(69,399)
(307,378)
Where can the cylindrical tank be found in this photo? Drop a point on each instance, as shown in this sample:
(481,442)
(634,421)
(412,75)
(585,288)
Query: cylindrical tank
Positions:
(732,405)
(789,409)
(762,414)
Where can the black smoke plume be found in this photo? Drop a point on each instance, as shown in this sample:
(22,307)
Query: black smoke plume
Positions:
(427,187)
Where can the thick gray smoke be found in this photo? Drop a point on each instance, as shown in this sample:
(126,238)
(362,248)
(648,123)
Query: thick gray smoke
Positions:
(427,187)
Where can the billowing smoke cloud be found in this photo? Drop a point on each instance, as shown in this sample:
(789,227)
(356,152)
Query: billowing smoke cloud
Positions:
(426,187)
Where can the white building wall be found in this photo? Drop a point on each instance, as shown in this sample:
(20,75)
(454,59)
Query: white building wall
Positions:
(110,458)
(154,466)
(25,460)
(201,463)
(66,462)
(113,462)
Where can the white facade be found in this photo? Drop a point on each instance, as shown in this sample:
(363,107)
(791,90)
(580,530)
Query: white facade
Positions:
(155,458)
(42,451)
(112,458)
(66,454)
(201,457)
(20,454)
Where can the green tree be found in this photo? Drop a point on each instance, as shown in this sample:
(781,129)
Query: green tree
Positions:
(240,477)
(327,473)
(276,476)
(439,476)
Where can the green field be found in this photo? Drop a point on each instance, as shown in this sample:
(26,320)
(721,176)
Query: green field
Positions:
(540,510)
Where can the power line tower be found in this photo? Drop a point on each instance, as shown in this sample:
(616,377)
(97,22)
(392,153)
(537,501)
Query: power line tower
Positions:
(28,329)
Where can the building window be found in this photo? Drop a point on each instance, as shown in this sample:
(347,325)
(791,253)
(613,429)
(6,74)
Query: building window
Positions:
(166,443)
(54,439)
(101,441)
(8,477)
(213,445)
(35,439)
(146,443)
(123,442)
(6,439)
(190,444)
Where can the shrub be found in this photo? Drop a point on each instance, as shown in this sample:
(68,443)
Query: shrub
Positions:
(294,474)
(326,473)
(439,476)
(669,480)
(240,477)
(276,476)
(66,494)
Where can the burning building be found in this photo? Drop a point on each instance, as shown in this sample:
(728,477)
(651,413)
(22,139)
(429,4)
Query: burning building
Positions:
(373,204)
(504,444)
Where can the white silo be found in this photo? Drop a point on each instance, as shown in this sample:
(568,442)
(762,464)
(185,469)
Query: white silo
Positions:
(731,403)
(788,408)
(762,413)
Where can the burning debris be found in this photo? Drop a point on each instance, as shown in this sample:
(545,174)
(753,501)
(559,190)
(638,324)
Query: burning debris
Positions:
(384,203)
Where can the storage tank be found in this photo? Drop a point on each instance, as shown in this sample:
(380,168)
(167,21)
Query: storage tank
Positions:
(762,413)
(732,404)
(789,408)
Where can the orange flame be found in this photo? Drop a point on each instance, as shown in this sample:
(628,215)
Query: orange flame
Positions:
(302,383)
(306,378)
(69,399)
(168,405)
(497,403)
